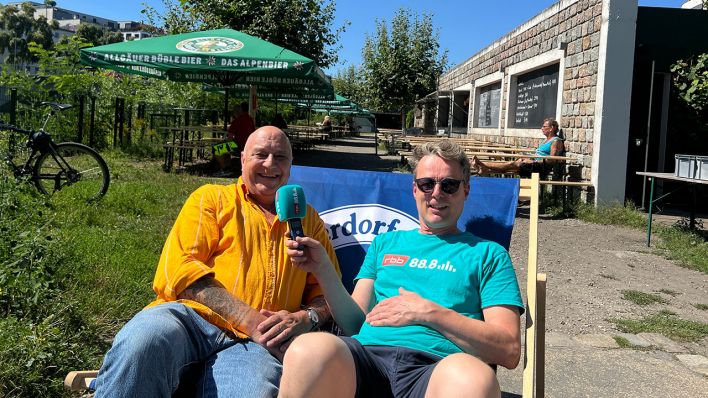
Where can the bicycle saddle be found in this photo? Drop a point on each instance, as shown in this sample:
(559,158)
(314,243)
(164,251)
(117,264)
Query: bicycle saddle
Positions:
(57,105)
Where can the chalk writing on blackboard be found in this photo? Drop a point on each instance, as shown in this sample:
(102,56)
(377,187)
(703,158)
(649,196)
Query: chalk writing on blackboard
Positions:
(535,97)
(487,105)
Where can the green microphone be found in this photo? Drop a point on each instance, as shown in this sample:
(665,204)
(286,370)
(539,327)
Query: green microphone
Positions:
(290,205)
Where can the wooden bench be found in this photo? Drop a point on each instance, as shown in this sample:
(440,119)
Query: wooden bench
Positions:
(186,151)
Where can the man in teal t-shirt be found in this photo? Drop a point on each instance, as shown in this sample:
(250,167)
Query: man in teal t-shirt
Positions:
(429,305)
(461,272)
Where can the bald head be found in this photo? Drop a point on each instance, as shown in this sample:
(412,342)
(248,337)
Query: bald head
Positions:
(265,162)
(265,135)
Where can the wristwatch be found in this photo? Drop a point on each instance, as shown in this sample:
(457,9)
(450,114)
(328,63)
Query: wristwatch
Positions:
(314,318)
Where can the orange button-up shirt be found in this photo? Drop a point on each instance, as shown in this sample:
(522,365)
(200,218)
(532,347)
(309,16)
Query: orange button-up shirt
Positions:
(222,232)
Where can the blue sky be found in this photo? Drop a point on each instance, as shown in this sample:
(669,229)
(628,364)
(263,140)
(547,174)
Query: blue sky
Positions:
(465,26)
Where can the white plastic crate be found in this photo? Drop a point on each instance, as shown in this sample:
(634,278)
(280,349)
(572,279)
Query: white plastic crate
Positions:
(685,166)
(702,167)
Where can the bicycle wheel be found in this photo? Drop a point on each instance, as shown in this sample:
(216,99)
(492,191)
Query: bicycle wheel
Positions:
(73,169)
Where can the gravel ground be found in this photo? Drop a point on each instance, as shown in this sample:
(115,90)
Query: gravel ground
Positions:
(588,266)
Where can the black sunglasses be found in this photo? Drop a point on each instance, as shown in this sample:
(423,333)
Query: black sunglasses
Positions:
(447,185)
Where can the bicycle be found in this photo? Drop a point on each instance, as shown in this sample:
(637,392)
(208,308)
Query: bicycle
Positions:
(69,167)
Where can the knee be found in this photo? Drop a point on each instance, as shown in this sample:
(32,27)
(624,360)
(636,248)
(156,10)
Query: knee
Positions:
(151,332)
(462,375)
(315,349)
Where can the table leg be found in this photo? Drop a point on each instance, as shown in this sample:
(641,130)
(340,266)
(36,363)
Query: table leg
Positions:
(692,222)
(651,206)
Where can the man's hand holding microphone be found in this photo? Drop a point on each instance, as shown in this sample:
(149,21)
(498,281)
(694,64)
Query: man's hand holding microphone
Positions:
(309,255)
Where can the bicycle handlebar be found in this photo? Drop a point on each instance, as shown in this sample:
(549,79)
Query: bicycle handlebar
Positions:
(7,126)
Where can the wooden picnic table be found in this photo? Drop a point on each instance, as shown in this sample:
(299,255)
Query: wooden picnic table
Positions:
(463,142)
(486,149)
(305,137)
(187,140)
(503,155)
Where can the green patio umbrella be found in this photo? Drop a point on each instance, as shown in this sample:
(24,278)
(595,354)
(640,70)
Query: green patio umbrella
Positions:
(223,57)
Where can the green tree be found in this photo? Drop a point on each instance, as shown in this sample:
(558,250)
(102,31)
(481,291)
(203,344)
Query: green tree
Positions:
(402,64)
(350,84)
(691,81)
(303,26)
(18,28)
(178,17)
(97,36)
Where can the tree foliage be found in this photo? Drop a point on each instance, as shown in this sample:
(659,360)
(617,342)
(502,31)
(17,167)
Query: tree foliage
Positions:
(303,26)
(177,17)
(350,84)
(97,36)
(691,81)
(402,63)
(18,28)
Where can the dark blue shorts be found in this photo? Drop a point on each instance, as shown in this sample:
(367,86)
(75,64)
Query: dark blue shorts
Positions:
(387,371)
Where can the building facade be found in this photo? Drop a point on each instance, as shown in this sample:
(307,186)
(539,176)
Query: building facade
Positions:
(70,20)
(573,62)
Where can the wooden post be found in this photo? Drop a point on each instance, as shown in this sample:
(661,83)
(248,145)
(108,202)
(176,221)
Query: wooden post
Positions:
(80,134)
(92,120)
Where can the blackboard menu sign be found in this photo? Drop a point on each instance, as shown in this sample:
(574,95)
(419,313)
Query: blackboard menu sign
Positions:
(487,106)
(535,97)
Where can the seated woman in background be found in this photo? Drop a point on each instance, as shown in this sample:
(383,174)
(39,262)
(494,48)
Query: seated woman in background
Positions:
(552,146)
(327,126)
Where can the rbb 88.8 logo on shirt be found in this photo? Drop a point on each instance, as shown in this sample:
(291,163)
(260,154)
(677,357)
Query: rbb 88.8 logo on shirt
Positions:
(419,263)
(433,264)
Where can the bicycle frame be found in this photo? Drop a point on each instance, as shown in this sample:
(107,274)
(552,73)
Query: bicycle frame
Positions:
(55,166)
(38,142)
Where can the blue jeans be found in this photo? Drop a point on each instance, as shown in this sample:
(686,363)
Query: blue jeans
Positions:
(168,343)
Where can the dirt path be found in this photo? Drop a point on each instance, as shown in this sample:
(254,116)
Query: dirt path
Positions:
(588,267)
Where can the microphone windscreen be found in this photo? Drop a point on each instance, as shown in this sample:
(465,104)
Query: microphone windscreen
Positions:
(290,202)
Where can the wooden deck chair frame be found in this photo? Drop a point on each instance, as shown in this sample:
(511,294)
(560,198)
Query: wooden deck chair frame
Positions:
(534,357)
(535,336)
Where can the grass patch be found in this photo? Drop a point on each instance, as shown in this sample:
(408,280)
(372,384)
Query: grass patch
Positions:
(72,274)
(665,323)
(613,214)
(702,307)
(687,248)
(624,343)
(671,293)
(554,211)
(642,298)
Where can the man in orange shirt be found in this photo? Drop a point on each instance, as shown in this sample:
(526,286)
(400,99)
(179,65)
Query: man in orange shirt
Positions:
(229,301)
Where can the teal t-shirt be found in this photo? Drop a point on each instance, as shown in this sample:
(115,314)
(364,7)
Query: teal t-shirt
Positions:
(461,272)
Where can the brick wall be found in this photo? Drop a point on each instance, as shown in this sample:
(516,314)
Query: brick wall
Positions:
(571,24)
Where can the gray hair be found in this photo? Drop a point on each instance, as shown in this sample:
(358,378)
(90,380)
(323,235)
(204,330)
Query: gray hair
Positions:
(445,149)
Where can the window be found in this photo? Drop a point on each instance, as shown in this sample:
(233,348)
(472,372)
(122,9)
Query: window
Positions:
(486,106)
(534,97)
(534,92)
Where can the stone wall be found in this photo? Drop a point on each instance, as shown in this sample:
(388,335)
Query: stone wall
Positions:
(570,28)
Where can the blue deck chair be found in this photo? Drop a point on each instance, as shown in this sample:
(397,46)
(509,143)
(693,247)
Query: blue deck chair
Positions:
(358,205)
